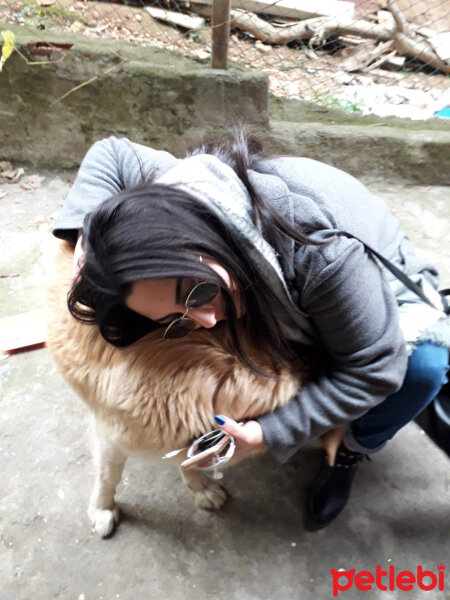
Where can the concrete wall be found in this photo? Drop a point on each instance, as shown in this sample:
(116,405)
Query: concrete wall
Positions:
(162,99)
(149,95)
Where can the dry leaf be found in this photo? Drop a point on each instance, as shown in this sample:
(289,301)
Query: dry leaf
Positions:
(5,165)
(14,175)
(4,274)
(8,46)
(76,26)
(45,2)
(45,48)
(33,182)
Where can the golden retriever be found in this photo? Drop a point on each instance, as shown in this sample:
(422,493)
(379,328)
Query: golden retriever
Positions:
(155,395)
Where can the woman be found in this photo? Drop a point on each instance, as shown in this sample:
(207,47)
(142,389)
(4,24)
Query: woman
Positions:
(228,233)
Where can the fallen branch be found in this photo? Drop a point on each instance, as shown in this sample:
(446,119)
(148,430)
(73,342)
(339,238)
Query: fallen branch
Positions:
(362,56)
(361,28)
(175,18)
(381,61)
(317,30)
(401,23)
(422,51)
(268,33)
(414,47)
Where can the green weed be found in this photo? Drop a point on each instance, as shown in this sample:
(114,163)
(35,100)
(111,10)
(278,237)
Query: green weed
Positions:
(198,36)
(354,105)
(50,14)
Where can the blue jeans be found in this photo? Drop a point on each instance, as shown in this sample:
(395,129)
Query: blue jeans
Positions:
(426,374)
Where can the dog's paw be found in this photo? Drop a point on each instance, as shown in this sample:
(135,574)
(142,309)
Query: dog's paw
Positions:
(212,497)
(103,520)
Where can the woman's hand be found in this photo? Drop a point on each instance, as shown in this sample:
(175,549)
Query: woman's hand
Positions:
(78,257)
(249,436)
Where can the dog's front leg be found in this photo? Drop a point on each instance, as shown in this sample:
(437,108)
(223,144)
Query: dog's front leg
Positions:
(207,493)
(109,462)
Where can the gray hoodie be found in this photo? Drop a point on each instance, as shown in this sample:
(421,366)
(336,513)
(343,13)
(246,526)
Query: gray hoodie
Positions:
(337,295)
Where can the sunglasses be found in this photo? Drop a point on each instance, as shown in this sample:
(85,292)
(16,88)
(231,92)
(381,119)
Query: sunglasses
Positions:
(203,293)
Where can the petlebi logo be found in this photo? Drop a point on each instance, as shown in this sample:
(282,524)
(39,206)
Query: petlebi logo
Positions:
(388,580)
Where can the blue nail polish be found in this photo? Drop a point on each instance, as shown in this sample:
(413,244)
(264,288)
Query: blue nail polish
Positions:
(220,420)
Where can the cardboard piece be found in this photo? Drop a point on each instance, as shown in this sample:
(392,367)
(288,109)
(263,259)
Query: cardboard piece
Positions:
(26,331)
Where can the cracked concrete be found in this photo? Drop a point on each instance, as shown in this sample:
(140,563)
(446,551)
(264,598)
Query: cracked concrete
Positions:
(257,547)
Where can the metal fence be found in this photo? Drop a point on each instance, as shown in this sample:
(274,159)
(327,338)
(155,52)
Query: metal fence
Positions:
(367,56)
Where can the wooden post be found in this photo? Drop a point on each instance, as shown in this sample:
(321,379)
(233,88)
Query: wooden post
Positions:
(220,33)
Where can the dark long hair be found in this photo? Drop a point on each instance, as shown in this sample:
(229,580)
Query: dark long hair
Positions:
(158,231)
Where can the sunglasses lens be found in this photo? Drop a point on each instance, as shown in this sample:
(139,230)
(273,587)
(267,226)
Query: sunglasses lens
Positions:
(179,328)
(202,294)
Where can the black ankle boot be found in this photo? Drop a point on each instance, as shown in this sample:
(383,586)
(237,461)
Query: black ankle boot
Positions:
(330,490)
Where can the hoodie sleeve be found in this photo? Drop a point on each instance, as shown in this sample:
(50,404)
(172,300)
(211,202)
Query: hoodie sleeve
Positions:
(109,166)
(355,313)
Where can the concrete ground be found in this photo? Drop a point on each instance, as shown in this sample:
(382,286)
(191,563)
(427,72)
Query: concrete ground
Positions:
(257,547)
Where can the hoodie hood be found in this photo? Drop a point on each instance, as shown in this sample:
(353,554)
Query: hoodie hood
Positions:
(217,185)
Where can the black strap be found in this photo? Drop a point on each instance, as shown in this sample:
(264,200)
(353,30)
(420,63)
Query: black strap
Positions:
(445,302)
(394,270)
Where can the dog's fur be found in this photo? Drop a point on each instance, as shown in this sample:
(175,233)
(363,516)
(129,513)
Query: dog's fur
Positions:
(156,395)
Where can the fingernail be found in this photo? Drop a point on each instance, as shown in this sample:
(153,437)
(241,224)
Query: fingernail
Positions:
(220,420)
